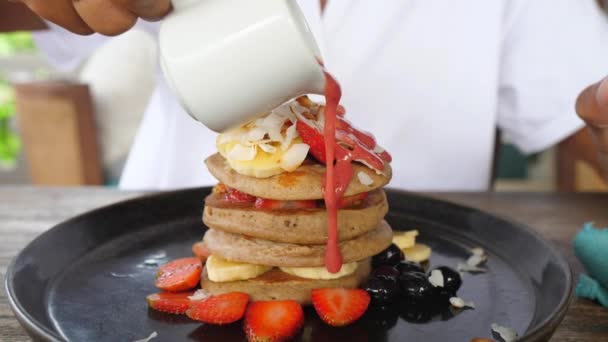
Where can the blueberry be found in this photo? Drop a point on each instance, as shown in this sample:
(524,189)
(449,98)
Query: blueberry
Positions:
(381,317)
(451,280)
(385,271)
(382,290)
(390,256)
(409,266)
(416,289)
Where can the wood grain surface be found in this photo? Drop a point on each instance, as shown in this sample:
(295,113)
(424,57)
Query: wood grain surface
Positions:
(25,212)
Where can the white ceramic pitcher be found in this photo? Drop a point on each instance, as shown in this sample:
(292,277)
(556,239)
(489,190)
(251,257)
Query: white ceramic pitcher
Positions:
(229,61)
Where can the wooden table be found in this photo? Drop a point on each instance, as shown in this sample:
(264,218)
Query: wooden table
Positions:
(26,212)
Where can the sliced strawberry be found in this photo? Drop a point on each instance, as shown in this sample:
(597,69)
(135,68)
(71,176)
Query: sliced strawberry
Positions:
(352,201)
(268,204)
(313,138)
(173,303)
(386,156)
(340,307)
(270,321)
(179,275)
(221,309)
(236,196)
(200,251)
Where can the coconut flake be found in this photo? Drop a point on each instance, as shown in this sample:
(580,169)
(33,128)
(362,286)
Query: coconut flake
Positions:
(200,294)
(476,260)
(506,333)
(460,303)
(255,134)
(267,148)
(436,278)
(364,178)
(464,267)
(378,149)
(290,134)
(294,157)
(242,153)
(147,339)
(478,251)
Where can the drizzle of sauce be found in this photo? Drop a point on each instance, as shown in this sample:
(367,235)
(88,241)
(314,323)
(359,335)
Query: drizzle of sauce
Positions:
(333,93)
(354,145)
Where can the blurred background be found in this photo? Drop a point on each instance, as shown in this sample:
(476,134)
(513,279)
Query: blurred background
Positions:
(76,127)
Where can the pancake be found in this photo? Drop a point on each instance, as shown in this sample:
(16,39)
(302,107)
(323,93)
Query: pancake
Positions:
(278,285)
(236,247)
(307,227)
(302,184)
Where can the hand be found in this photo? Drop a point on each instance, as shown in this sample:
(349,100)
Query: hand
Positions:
(592,107)
(109,17)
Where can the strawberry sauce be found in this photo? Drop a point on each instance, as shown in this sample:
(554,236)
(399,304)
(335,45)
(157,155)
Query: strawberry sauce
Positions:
(336,174)
(343,144)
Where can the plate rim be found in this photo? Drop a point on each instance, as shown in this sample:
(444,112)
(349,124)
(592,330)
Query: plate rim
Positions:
(547,326)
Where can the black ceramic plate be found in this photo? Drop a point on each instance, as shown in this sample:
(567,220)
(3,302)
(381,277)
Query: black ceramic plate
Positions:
(86,279)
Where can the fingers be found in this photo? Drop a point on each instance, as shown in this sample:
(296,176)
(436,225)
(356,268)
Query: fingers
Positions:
(61,12)
(104,16)
(146,9)
(592,107)
(592,104)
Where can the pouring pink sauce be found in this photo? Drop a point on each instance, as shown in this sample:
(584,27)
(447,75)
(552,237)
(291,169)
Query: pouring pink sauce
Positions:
(361,147)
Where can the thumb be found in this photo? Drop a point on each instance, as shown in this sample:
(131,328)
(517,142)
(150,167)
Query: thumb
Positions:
(592,105)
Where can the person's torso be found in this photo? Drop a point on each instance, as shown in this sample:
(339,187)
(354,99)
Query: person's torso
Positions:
(420,75)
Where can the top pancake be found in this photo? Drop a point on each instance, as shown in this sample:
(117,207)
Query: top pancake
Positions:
(305,183)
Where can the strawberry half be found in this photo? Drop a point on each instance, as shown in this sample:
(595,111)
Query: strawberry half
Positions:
(313,138)
(179,275)
(263,203)
(221,309)
(271,321)
(340,307)
(200,251)
(173,303)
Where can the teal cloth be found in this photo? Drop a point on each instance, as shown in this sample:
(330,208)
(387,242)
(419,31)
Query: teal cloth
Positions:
(591,248)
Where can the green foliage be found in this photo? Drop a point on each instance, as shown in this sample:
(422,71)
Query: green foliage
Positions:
(10,145)
(15,42)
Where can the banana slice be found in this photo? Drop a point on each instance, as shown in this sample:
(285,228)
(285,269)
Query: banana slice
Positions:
(222,270)
(419,253)
(321,272)
(405,240)
(263,164)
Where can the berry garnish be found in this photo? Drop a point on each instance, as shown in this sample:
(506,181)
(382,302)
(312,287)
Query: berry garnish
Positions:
(409,266)
(235,196)
(221,309)
(313,138)
(451,279)
(339,307)
(382,290)
(390,256)
(273,320)
(169,302)
(269,204)
(179,275)
(416,289)
(385,271)
(381,316)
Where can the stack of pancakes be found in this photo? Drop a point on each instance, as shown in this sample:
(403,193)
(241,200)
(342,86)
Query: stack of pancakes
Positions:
(292,238)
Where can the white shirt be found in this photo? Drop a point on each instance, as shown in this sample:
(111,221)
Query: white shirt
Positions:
(431,79)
